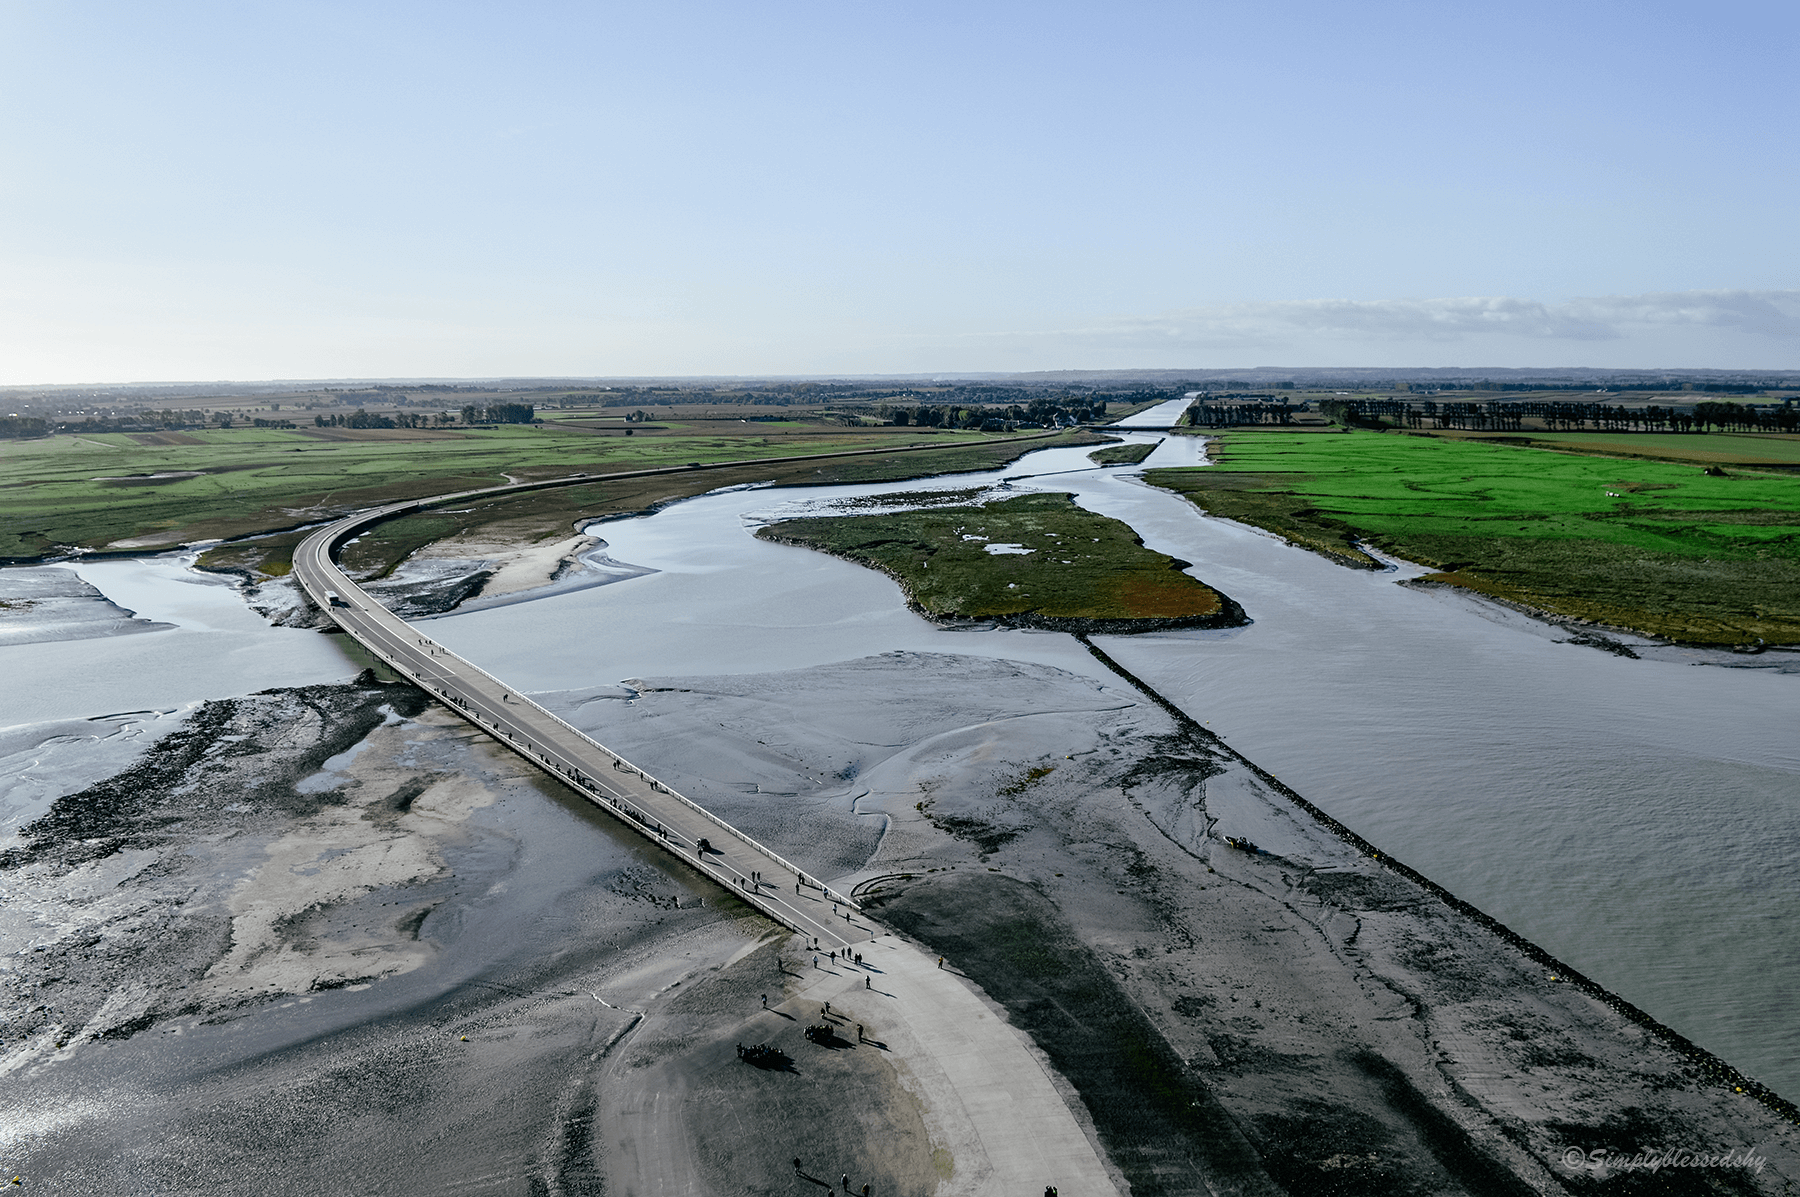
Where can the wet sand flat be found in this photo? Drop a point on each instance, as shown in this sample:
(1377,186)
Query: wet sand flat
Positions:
(1297,1016)
(330,932)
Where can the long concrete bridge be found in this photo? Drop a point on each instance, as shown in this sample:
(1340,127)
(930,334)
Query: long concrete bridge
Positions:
(758,874)
(1008,1123)
(681,827)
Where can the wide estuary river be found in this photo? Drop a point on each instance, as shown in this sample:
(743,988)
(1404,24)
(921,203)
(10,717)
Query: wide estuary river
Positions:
(1636,817)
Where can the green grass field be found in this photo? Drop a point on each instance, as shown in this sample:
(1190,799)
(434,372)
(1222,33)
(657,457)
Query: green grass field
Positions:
(99,492)
(1657,547)
(1121,454)
(1714,448)
(1083,571)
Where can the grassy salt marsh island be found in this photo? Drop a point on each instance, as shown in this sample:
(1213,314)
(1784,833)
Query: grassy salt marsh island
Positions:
(1122,454)
(1037,560)
(1656,547)
(540,517)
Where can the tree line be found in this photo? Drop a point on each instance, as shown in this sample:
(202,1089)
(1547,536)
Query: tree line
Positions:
(14,426)
(1063,410)
(365,419)
(498,413)
(1561,417)
(1237,415)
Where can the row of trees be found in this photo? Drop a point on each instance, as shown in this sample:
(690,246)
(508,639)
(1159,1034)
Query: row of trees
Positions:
(365,419)
(18,426)
(1039,413)
(938,417)
(1745,417)
(1560,417)
(14,426)
(1237,415)
(498,413)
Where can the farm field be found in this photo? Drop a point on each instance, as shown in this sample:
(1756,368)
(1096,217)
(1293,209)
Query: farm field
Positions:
(1031,561)
(149,491)
(1716,448)
(1656,547)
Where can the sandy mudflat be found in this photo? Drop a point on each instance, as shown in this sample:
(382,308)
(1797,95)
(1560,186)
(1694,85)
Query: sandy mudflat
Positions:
(330,932)
(1301,1019)
(515,565)
(327,933)
(46,603)
(251,959)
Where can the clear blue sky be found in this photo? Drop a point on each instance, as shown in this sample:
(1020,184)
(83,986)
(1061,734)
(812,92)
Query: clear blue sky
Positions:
(366,189)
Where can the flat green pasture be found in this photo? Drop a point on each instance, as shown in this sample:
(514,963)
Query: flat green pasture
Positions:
(1656,546)
(1716,448)
(1056,564)
(102,492)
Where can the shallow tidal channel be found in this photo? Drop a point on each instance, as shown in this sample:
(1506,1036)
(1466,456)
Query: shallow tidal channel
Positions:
(1634,817)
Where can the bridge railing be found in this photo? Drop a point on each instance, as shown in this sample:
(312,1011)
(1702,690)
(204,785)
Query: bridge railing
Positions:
(335,534)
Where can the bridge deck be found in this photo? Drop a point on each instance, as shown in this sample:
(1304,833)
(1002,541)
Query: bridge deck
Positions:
(757,874)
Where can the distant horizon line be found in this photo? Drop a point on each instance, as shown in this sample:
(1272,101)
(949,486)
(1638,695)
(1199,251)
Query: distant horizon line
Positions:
(1197,373)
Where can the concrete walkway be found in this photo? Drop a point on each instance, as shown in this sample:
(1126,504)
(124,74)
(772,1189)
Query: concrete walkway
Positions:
(989,1096)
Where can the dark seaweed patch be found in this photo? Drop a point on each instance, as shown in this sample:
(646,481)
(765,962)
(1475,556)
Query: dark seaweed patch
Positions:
(1160,1124)
(1361,891)
(1324,1150)
(171,783)
(1473,1168)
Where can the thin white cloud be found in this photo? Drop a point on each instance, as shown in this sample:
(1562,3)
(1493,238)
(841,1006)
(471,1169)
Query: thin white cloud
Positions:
(1768,313)
(1607,318)
(1386,319)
